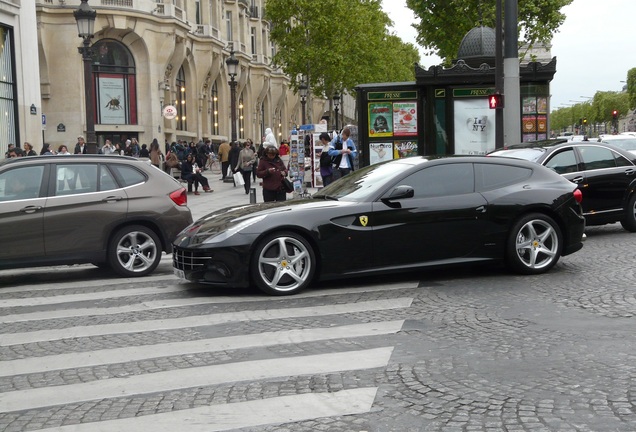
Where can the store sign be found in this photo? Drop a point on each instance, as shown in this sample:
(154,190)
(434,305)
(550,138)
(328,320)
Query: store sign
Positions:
(169,112)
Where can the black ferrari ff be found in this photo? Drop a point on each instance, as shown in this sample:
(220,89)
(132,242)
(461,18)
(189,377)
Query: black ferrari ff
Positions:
(396,216)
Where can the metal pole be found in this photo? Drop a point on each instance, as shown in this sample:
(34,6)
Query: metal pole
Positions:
(336,110)
(233,106)
(302,103)
(499,77)
(91,139)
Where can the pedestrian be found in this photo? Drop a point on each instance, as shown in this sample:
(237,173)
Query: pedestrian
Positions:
(108,148)
(28,149)
(272,170)
(343,150)
(283,151)
(326,166)
(191,172)
(80,147)
(245,165)
(128,150)
(144,152)
(62,150)
(270,139)
(135,147)
(118,151)
(234,157)
(46,150)
(10,147)
(256,158)
(224,156)
(155,153)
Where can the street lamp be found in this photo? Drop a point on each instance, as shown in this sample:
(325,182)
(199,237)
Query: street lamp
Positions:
(302,89)
(85,17)
(336,106)
(232,69)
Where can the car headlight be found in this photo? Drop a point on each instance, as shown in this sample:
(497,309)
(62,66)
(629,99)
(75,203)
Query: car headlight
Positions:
(224,235)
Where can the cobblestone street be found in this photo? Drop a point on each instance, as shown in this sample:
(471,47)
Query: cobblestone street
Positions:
(476,350)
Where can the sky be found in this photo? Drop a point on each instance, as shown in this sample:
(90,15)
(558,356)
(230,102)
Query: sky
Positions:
(595,46)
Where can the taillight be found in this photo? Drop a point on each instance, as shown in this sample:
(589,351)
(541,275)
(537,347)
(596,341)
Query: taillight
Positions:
(578,196)
(180,197)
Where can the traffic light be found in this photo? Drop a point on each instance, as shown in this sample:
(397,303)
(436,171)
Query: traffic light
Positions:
(495,101)
(614,114)
(584,122)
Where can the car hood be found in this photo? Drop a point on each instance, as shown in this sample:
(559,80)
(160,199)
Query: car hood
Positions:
(249,219)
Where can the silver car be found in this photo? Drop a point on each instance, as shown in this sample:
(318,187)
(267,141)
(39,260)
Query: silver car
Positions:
(116,212)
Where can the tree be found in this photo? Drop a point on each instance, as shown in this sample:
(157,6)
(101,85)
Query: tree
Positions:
(444,23)
(337,44)
(631,87)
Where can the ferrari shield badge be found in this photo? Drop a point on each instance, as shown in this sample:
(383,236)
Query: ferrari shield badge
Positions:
(364,220)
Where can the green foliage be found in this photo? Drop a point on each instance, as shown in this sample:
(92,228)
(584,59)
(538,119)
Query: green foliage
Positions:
(444,23)
(337,44)
(598,110)
(631,87)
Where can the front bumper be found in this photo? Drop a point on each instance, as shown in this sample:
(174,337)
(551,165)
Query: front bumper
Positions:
(224,267)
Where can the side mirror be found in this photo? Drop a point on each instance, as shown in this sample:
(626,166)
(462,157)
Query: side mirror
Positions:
(398,193)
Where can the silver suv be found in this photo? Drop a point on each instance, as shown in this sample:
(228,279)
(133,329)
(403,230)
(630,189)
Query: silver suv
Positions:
(116,212)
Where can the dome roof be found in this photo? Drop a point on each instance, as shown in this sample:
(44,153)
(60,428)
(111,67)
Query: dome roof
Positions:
(478,46)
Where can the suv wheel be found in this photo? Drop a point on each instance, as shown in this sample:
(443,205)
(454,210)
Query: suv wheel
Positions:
(134,251)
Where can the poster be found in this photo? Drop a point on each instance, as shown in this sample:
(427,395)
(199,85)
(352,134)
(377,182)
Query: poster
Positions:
(403,149)
(380,119)
(112,97)
(405,118)
(542,105)
(529,105)
(380,152)
(474,127)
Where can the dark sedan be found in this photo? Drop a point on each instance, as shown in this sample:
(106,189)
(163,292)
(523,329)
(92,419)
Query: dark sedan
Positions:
(605,174)
(390,217)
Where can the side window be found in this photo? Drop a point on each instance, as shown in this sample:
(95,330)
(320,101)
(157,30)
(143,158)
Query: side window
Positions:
(21,183)
(597,158)
(128,175)
(73,179)
(106,180)
(442,180)
(493,176)
(622,161)
(563,162)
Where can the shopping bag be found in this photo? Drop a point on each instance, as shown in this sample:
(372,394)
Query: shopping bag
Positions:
(238,179)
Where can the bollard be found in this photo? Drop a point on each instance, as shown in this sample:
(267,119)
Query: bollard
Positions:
(252,195)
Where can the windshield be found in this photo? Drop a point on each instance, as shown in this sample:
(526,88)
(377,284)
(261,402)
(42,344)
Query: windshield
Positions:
(529,154)
(363,184)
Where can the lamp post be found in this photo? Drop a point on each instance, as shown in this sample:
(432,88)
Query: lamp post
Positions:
(302,89)
(336,106)
(232,69)
(85,17)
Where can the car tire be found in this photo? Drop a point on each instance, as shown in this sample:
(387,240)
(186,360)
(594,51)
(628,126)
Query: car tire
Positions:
(534,245)
(629,223)
(283,263)
(134,251)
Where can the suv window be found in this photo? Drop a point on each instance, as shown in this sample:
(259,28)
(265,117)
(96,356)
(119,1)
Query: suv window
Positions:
(597,157)
(128,175)
(563,162)
(493,176)
(21,183)
(73,179)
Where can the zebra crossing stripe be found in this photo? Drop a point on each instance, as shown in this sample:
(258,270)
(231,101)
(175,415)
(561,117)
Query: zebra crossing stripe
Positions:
(145,352)
(216,418)
(195,377)
(8,339)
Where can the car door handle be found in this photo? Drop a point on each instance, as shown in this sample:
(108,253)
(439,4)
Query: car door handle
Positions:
(112,199)
(30,209)
(630,171)
(577,179)
(481,209)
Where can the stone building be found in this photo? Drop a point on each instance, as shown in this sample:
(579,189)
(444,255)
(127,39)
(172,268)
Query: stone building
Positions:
(20,107)
(148,54)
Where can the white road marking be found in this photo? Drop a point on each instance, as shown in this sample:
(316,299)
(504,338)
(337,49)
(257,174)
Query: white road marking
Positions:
(216,418)
(194,377)
(144,352)
(87,283)
(7,339)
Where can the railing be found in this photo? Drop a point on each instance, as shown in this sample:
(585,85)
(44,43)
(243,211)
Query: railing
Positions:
(118,3)
(207,30)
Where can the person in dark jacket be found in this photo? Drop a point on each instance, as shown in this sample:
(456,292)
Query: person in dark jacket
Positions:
(234,157)
(192,173)
(272,170)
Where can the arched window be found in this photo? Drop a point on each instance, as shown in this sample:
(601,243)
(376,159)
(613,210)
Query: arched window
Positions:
(114,83)
(181,100)
(214,101)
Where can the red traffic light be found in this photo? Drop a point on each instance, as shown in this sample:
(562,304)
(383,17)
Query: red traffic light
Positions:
(495,101)
(614,113)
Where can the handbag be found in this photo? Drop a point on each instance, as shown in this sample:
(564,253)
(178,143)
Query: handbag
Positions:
(238,178)
(288,186)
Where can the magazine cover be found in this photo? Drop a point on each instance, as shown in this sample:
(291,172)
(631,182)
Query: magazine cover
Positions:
(380,152)
(403,149)
(380,119)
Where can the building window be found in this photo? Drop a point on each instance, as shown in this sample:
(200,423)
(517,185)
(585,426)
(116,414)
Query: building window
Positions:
(181,100)
(114,83)
(228,25)
(197,7)
(8,92)
(253,39)
(215,109)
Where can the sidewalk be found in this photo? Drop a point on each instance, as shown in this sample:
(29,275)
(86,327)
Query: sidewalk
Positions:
(224,195)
